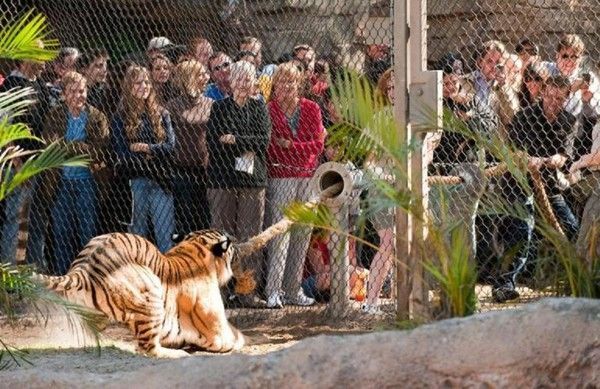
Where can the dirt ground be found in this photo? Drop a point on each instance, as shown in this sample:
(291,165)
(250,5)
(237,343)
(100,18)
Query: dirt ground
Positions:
(62,344)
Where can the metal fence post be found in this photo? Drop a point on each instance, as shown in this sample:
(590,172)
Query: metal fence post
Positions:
(403,220)
(418,94)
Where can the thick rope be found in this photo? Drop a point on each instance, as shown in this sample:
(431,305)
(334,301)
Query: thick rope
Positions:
(493,171)
(259,241)
(541,198)
(539,192)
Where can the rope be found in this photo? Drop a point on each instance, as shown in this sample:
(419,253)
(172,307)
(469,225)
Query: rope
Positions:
(541,198)
(492,171)
(539,192)
(259,241)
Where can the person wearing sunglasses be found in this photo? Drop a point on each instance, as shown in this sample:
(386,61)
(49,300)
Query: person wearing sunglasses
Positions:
(531,86)
(584,101)
(527,51)
(219,88)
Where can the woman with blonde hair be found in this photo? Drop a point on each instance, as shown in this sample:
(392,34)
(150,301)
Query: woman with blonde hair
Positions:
(297,141)
(190,112)
(144,141)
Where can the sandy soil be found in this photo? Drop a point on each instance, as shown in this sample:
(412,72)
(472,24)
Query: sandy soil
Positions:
(62,345)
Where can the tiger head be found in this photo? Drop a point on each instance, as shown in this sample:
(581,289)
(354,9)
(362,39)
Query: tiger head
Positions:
(221,245)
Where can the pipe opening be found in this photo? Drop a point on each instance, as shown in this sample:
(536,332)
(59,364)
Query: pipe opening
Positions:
(329,179)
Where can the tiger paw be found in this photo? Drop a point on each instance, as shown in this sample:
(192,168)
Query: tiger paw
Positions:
(163,352)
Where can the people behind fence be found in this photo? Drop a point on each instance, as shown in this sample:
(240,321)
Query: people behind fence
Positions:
(238,133)
(465,108)
(65,61)
(317,276)
(489,83)
(190,111)
(209,167)
(24,208)
(542,131)
(83,129)
(144,141)
(220,87)
(200,49)
(381,216)
(160,75)
(531,87)
(297,140)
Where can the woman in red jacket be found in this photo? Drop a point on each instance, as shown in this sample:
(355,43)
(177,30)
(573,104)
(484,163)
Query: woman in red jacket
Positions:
(297,140)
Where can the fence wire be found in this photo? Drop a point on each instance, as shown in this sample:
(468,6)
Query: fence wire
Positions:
(198,115)
(236,96)
(526,73)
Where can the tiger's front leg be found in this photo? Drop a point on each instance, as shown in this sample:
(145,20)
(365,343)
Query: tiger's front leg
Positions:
(216,333)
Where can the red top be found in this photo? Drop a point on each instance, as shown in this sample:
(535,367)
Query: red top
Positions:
(302,157)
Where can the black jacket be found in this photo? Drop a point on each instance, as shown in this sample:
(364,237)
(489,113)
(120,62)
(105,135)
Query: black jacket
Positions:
(251,126)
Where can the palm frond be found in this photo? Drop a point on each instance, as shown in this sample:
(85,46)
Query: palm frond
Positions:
(14,132)
(53,156)
(10,356)
(14,102)
(20,39)
(367,127)
(18,288)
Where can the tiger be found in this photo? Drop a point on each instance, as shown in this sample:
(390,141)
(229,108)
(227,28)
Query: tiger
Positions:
(168,300)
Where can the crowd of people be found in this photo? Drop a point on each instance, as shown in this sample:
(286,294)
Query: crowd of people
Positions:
(180,138)
(183,138)
(548,110)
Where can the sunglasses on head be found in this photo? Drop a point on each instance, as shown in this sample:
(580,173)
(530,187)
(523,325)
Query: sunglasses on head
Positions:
(222,66)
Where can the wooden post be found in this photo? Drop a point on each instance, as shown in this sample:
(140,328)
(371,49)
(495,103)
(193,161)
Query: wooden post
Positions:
(403,220)
(418,104)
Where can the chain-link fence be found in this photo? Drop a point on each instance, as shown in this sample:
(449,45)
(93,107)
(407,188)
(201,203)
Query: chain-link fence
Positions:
(247,87)
(197,115)
(525,74)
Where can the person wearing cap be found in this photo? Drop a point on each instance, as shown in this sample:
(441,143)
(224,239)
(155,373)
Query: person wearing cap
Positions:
(158,45)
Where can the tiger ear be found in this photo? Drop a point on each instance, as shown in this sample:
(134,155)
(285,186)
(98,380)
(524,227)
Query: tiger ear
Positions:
(220,248)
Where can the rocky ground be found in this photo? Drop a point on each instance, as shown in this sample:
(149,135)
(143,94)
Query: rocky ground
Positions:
(553,343)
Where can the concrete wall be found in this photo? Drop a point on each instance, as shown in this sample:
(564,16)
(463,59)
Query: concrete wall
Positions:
(464,24)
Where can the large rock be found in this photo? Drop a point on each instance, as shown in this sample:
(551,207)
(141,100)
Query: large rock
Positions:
(554,343)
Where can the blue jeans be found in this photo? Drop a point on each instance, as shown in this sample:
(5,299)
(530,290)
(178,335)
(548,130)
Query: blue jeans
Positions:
(151,201)
(521,232)
(74,220)
(37,225)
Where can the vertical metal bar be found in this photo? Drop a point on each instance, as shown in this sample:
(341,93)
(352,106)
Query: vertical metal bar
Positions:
(417,53)
(340,278)
(403,220)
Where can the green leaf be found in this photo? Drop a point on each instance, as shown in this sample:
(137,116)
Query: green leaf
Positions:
(20,39)
(54,156)
(14,102)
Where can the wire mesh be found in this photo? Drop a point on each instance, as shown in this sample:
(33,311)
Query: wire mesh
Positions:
(236,103)
(525,73)
(198,157)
